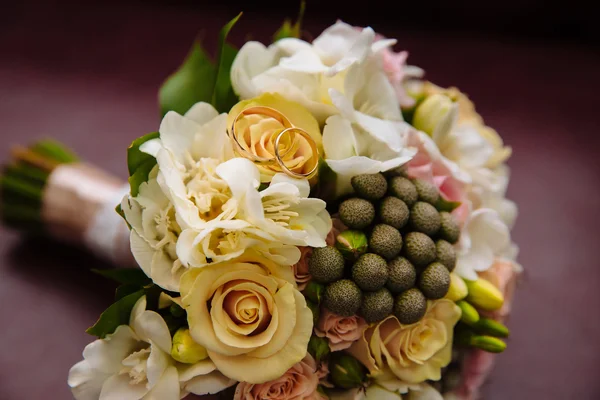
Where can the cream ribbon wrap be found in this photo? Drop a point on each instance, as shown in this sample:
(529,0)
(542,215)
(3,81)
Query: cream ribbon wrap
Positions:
(79,207)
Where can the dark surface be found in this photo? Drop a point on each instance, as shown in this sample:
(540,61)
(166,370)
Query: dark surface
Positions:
(89,78)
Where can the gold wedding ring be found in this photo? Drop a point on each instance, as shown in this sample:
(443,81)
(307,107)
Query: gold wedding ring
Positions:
(289,129)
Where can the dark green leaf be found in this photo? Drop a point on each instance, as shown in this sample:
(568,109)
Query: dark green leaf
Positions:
(318,347)
(140,176)
(223,97)
(194,81)
(445,205)
(54,150)
(314,292)
(288,30)
(126,290)
(152,296)
(315,310)
(125,276)
(117,314)
(326,185)
(135,158)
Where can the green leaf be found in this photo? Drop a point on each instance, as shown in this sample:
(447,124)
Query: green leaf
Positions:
(140,176)
(445,205)
(54,150)
(288,30)
(318,347)
(135,158)
(125,276)
(117,314)
(314,308)
(126,290)
(223,97)
(194,81)
(314,292)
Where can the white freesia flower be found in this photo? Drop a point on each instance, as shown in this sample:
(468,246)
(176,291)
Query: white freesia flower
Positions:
(363,145)
(340,58)
(483,238)
(273,221)
(134,363)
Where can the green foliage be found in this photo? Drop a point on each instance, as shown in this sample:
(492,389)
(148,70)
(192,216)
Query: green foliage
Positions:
(199,79)
(445,205)
(289,30)
(314,292)
(318,347)
(117,314)
(125,276)
(135,157)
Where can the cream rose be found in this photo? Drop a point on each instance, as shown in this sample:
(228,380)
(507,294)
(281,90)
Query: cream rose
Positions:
(414,353)
(298,383)
(257,134)
(249,316)
(341,332)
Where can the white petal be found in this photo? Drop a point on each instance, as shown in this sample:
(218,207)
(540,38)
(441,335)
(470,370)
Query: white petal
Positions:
(335,42)
(177,133)
(306,61)
(142,252)
(158,362)
(347,168)
(338,139)
(301,184)
(118,387)
(151,147)
(357,53)
(252,59)
(85,381)
(243,178)
(162,271)
(167,388)
(189,371)
(426,392)
(201,113)
(106,355)
(151,327)
(376,392)
(211,383)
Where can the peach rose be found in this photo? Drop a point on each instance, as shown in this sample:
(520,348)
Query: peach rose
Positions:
(249,316)
(301,267)
(413,353)
(299,383)
(341,332)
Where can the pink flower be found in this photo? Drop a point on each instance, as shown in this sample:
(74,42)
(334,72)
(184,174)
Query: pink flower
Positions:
(301,267)
(429,164)
(298,383)
(340,331)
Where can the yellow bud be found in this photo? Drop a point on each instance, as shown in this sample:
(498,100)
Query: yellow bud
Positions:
(469,315)
(484,295)
(458,288)
(185,350)
(435,116)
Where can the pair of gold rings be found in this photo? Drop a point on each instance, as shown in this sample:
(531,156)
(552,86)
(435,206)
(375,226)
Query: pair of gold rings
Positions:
(289,129)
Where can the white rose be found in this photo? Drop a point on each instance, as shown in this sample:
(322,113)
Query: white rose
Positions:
(135,363)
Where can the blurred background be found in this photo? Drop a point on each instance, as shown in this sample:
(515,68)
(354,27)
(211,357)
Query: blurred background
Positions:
(87,73)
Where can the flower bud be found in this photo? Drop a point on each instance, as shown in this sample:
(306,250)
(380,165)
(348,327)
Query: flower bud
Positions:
(185,350)
(435,116)
(318,347)
(346,371)
(458,288)
(484,295)
(352,244)
(469,314)
(487,326)
(488,343)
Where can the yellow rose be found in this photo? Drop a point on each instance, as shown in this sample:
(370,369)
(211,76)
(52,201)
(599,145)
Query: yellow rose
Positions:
(413,353)
(249,316)
(257,133)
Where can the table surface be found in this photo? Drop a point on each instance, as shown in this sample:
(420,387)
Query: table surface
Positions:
(89,78)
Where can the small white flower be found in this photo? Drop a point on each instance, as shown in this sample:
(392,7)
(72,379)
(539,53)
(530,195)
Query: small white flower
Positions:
(341,58)
(135,363)
(363,145)
(483,238)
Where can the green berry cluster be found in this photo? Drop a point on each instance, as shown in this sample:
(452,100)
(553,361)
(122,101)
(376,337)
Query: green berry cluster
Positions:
(397,254)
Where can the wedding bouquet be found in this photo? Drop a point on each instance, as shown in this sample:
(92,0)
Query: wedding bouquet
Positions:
(310,221)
